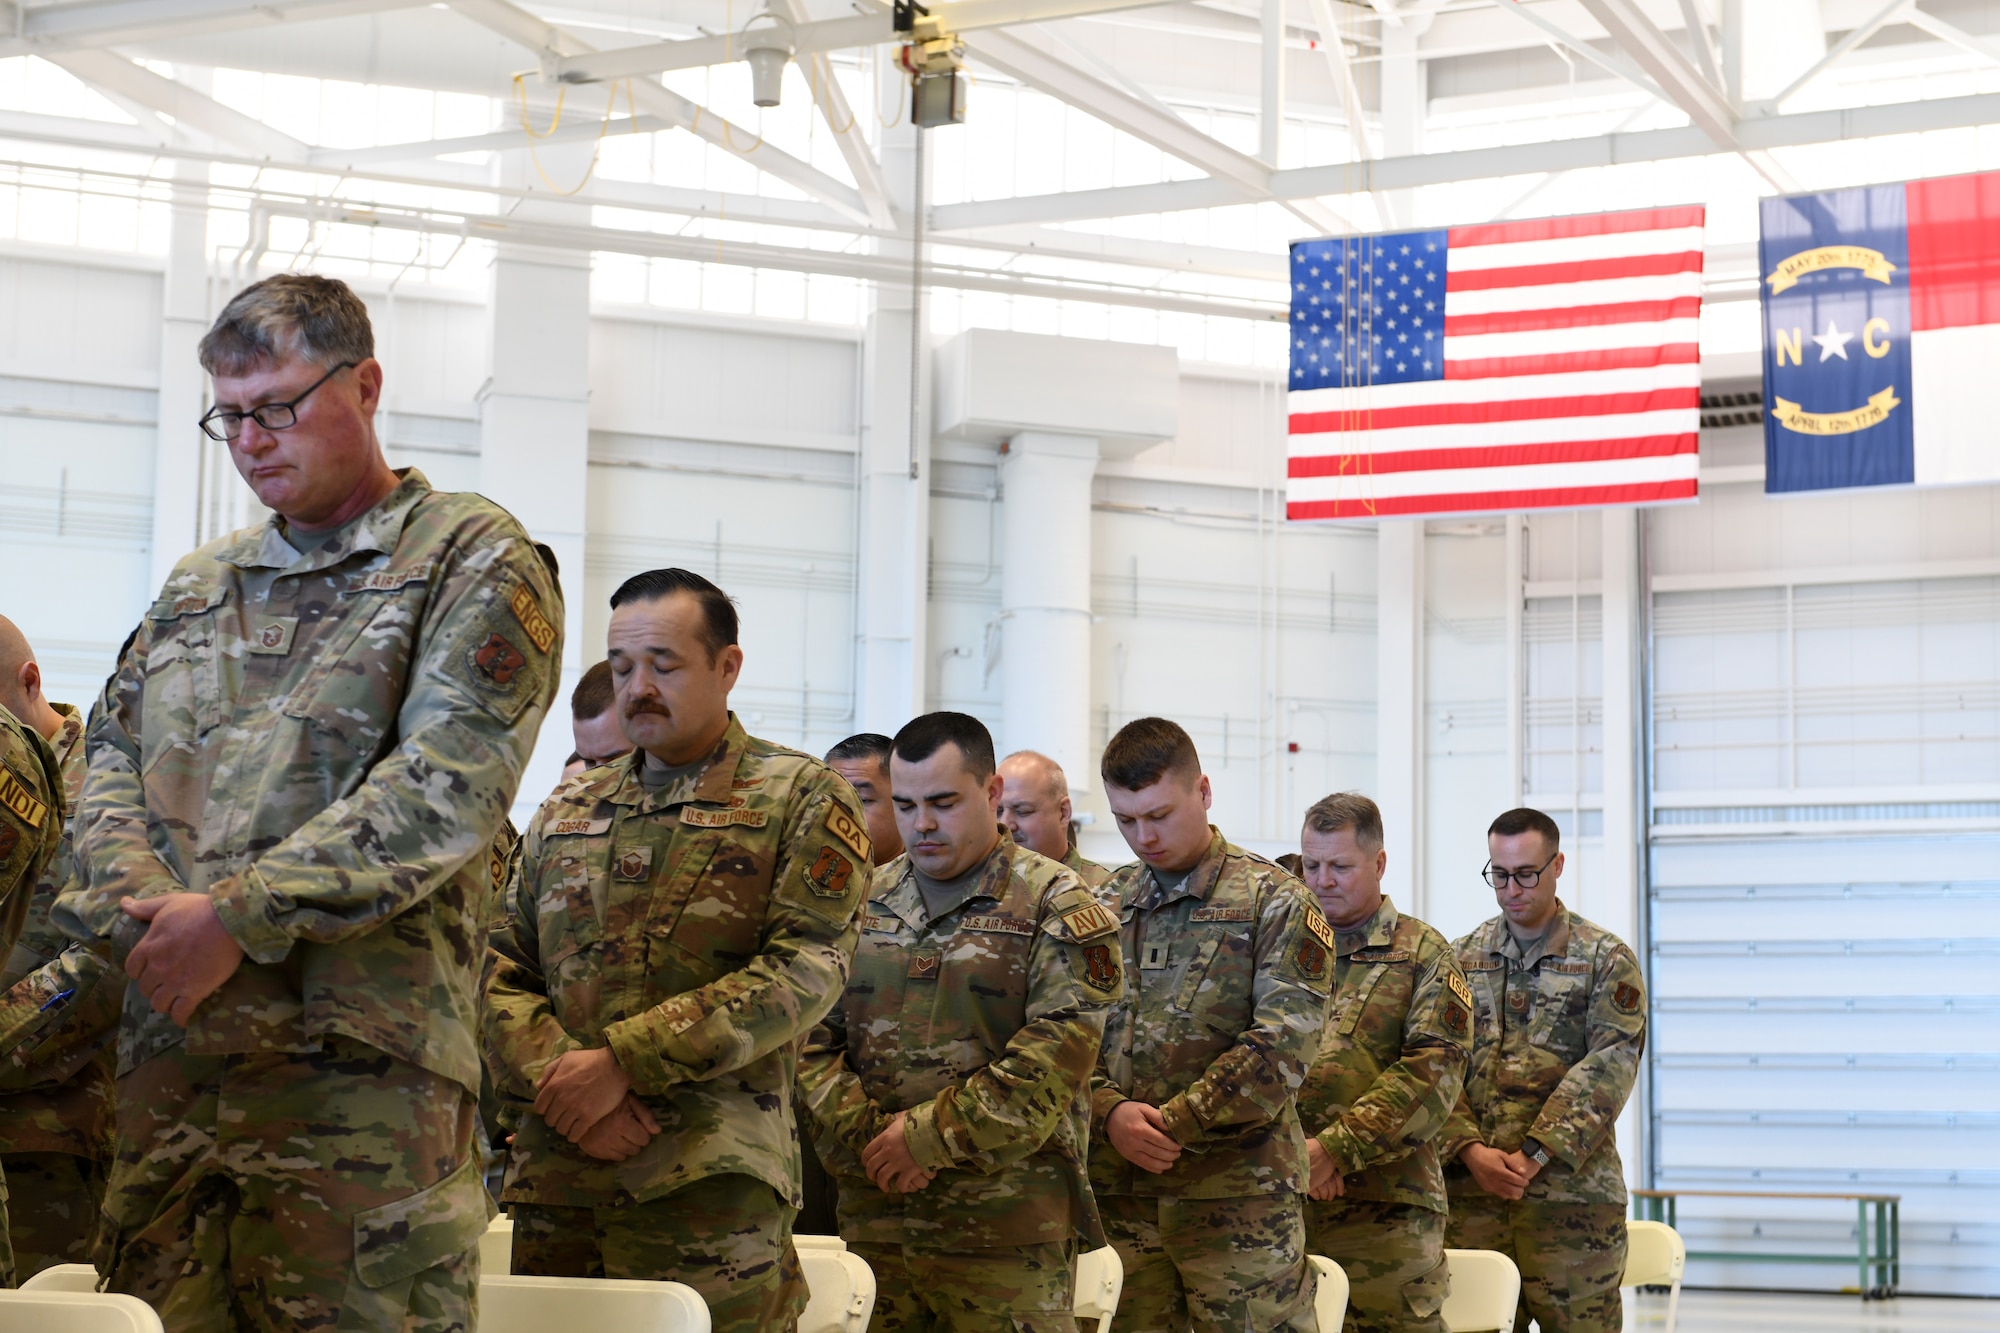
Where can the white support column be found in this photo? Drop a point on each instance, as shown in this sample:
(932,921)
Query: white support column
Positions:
(1399,704)
(1045,599)
(1614,897)
(893,544)
(534,422)
(178,453)
(1271,114)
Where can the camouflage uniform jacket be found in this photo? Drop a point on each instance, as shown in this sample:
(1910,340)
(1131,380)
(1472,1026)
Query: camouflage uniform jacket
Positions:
(983,1023)
(31,819)
(325,744)
(1228,979)
(1093,875)
(1391,1060)
(1557,1034)
(59,1006)
(698,930)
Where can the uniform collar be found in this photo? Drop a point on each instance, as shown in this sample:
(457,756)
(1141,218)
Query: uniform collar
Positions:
(71,734)
(1199,880)
(1377,932)
(906,898)
(713,783)
(1553,944)
(378,530)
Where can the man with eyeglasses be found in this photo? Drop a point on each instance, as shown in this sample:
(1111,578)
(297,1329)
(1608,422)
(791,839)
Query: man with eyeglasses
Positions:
(1559,1025)
(286,837)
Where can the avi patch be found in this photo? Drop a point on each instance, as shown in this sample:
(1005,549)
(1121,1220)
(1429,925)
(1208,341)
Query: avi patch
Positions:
(829,874)
(1100,967)
(541,631)
(849,830)
(498,661)
(1626,997)
(25,805)
(1089,921)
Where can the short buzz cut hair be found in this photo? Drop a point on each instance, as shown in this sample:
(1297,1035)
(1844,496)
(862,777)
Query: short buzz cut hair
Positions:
(718,612)
(593,694)
(1348,810)
(922,737)
(301,315)
(863,747)
(1145,750)
(1526,820)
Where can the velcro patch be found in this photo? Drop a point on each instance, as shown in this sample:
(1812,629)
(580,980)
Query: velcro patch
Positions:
(1626,997)
(699,818)
(559,828)
(529,612)
(1310,960)
(924,967)
(998,925)
(829,874)
(1223,914)
(273,635)
(1459,988)
(1089,921)
(10,838)
(1321,931)
(26,806)
(888,923)
(633,863)
(389,580)
(1457,1020)
(498,660)
(849,830)
(1100,967)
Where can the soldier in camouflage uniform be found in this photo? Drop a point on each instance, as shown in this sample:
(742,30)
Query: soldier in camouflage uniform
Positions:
(1199,1160)
(32,812)
(295,780)
(59,1007)
(1391,1063)
(678,920)
(1559,1026)
(863,759)
(1035,807)
(949,1088)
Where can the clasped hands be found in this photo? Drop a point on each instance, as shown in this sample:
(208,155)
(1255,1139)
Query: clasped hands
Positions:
(1505,1174)
(889,1163)
(586,1096)
(185,955)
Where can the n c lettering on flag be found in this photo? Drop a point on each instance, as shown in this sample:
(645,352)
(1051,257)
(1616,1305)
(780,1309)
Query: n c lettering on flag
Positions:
(1543,364)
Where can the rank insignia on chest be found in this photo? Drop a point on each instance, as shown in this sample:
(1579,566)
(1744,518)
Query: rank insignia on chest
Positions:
(1100,967)
(1517,999)
(829,874)
(1626,997)
(15,795)
(924,967)
(498,660)
(1154,959)
(634,864)
(273,635)
(1311,959)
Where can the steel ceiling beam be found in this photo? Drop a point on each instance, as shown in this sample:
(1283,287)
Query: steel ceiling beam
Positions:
(91,24)
(1663,63)
(193,110)
(841,121)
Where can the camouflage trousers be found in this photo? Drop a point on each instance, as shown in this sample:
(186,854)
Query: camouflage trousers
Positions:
(729,1237)
(335,1189)
(1571,1257)
(1211,1265)
(1393,1255)
(52,1203)
(1014,1289)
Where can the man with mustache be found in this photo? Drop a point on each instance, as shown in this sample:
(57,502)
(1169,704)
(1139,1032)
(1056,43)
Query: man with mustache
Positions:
(676,921)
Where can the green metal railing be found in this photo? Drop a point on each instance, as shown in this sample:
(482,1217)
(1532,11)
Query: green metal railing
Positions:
(1878,1240)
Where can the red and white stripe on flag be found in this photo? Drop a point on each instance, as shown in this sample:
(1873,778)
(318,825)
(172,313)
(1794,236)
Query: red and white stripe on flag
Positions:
(1572,376)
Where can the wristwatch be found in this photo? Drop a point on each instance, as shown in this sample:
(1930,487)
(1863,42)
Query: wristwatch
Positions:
(1535,1152)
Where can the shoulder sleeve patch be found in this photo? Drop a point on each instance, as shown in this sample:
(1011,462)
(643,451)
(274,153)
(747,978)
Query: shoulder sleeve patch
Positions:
(541,631)
(1459,988)
(848,829)
(1316,923)
(25,805)
(1627,998)
(1089,921)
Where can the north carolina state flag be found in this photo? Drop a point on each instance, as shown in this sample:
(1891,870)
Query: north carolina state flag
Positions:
(1882,335)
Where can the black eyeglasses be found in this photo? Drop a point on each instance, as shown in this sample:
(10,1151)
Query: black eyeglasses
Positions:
(222,424)
(1527,879)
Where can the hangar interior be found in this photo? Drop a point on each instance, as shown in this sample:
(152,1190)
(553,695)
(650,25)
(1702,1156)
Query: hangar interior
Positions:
(809,351)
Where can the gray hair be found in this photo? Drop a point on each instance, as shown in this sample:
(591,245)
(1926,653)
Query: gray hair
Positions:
(316,319)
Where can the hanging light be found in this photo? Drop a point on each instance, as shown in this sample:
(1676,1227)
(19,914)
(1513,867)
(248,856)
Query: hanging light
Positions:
(767,46)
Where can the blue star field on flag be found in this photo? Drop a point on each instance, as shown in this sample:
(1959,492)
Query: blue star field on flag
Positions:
(1368,309)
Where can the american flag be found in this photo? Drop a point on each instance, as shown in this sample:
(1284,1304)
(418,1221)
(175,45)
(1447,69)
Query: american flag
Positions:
(1516,365)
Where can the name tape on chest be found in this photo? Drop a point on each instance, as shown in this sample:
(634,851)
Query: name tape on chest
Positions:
(1459,988)
(1320,930)
(888,923)
(25,805)
(998,925)
(699,818)
(1089,921)
(849,830)
(390,580)
(1223,914)
(528,611)
(562,828)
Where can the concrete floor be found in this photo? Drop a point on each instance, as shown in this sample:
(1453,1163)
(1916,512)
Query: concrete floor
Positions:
(1778,1312)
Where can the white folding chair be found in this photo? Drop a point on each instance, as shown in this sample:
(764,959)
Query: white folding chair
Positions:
(1485,1290)
(63,1277)
(496,1248)
(44,1310)
(1100,1280)
(613,1305)
(842,1287)
(805,1242)
(1329,1293)
(1655,1256)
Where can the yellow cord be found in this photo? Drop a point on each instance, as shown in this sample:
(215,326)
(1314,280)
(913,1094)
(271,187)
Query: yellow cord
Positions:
(812,77)
(603,128)
(521,95)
